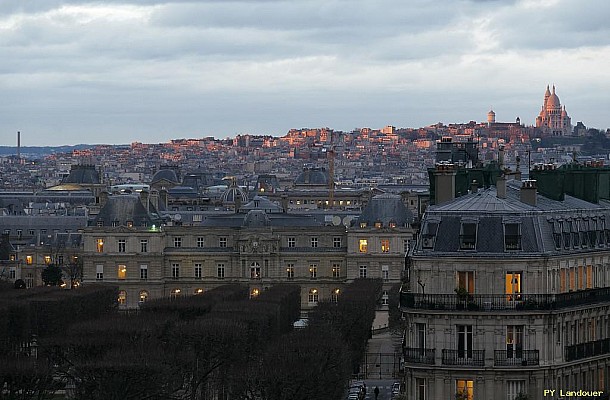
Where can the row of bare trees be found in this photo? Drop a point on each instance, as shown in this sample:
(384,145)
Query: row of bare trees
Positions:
(217,345)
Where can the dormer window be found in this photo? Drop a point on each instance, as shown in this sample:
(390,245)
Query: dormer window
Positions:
(363,224)
(512,236)
(115,223)
(392,224)
(378,224)
(468,236)
(429,234)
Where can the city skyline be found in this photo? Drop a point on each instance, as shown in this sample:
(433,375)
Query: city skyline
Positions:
(153,70)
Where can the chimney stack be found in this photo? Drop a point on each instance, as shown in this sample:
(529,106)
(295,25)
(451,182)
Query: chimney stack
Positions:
(528,192)
(501,157)
(18,145)
(501,187)
(444,187)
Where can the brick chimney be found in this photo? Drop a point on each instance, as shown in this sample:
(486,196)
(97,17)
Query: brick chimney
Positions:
(528,192)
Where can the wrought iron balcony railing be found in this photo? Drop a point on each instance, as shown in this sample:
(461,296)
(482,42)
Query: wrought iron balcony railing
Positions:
(588,349)
(418,356)
(499,302)
(464,357)
(516,358)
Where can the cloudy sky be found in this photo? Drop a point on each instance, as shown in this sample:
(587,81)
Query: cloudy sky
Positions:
(77,71)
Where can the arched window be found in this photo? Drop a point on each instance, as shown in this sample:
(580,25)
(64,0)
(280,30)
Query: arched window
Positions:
(143,296)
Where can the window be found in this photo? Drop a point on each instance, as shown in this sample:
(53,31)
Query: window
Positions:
(129,224)
(197,217)
(465,281)
(100,245)
(421,335)
(198,270)
(513,285)
(143,296)
(292,242)
(121,244)
(200,241)
(363,245)
(313,271)
(31,232)
(143,246)
(12,273)
(362,270)
(143,271)
(29,260)
(336,242)
(429,234)
(222,242)
(220,270)
(512,237)
(47,260)
(29,280)
(177,242)
(420,389)
(255,271)
(336,270)
(464,341)
(385,298)
(19,233)
(515,388)
(198,291)
(121,271)
(314,242)
(385,272)
(254,292)
(468,236)
(174,293)
(514,341)
(290,270)
(378,224)
(465,389)
(385,245)
(175,270)
(405,245)
(99,272)
(122,297)
(334,296)
(313,296)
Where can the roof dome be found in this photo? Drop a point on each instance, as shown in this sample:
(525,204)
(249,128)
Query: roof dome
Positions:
(232,193)
(553,101)
(312,176)
(167,174)
(256,218)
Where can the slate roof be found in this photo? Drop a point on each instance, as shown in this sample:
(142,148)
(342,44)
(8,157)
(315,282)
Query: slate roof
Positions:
(83,174)
(386,208)
(119,209)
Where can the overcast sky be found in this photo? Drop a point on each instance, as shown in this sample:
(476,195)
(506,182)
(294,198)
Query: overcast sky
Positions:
(152,70)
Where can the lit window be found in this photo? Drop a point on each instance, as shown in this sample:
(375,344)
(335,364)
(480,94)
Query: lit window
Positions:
(29,260)
(255,271)
(378,224)
(513,285)
(336,270)
(465,389)
(198,291)
(47,260)
(385,245)
(334,297)
(175,293)
(363,224)
(100,245)
(313,296)
(254,292)
(290,271)
(392,224)
(313,271)
(143,296)
(129,224)
(198,270)
(122,297)
(122,272)
(363,245)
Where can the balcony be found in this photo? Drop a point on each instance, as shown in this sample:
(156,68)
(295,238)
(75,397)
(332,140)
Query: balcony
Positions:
(418,356)
(474,358)
(588,349)
(516,358)
(502,302)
